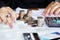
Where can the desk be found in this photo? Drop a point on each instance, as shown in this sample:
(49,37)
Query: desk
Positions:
(18,30)
(17,34)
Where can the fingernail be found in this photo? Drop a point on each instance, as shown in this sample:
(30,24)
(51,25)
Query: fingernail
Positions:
(43,14)
(11,26)
(50,14)
(14,20)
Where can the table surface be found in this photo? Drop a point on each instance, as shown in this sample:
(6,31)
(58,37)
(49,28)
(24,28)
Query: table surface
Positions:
(16,33)
(20,28)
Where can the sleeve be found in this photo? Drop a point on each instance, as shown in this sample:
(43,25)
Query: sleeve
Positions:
(9,3)
(2,4)
(46,3)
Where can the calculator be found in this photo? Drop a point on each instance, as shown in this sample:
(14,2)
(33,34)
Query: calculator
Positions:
(52,21)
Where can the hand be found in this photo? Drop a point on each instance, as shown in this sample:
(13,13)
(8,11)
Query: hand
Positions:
(7,16)
(52,8)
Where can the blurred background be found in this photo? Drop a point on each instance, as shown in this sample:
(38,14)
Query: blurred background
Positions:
(58,0)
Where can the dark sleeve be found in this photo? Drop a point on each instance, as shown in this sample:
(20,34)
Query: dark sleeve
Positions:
(46,3)
(2,4)
(25,3)
(9,3)
(33,3)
